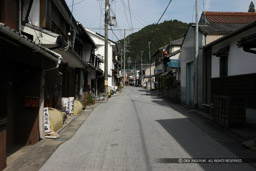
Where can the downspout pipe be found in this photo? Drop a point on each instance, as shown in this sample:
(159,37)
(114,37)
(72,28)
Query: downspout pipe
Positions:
(44,51)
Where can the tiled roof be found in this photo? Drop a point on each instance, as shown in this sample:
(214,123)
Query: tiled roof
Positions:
(241,30)
(219,28)
(229,17)
(26,42)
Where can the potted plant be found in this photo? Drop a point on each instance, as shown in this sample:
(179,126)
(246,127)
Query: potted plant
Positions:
(89,98)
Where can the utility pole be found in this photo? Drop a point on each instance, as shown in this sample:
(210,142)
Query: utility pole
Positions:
(196,60)
(135,73)
(149,55)
(124,57)
(106,44)
(141,52)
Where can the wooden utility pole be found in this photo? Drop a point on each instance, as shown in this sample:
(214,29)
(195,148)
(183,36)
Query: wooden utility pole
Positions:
(106,44)
(141,52)
(124,57)
(149,55)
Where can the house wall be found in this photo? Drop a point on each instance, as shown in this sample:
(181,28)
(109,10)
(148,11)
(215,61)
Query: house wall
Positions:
(239,61)
(187,62)
(177,56)
(186,57)
(9,13)
(99,41)
(211,38)
(87,49)
(175,48)
(159,69)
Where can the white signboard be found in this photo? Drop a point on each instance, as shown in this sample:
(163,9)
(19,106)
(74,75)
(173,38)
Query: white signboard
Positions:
(71,104)
(65,104)
(47,126)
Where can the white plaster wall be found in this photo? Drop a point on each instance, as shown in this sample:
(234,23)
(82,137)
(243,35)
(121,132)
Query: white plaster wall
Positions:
(239,61)
(100,43)
(186,56)
(147,71)
(159,67)
(175,48)
(177,56)
(211,38)
(87,52)
(215,67)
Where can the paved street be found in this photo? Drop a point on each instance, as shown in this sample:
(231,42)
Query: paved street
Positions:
(131,131)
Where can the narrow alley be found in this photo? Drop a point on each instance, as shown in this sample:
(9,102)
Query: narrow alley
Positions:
(133,131)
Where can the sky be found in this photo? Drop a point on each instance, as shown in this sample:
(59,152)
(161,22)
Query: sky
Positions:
(145,12)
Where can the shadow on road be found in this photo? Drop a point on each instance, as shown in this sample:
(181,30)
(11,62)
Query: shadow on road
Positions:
(198,144)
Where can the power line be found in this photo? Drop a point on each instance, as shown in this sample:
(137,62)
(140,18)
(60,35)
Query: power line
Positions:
(115,29)
(129,7)
(101,12)
(193,12)
(114,34)
(161,17)
(137,17)
(76,3)
(126,14)
(164,11)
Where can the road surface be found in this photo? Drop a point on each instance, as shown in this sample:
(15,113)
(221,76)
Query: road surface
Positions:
(135,131)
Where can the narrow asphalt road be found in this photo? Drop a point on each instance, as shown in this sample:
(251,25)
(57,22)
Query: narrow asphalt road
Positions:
(131,132)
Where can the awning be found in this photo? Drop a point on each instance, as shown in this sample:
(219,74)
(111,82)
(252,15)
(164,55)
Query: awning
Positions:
(174,63)
(70,57)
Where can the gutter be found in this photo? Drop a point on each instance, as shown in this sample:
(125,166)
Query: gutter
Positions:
(44,51)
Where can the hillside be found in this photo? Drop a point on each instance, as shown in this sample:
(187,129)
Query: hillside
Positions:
(164,33)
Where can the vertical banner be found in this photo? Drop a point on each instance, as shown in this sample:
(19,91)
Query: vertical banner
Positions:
(71,104)
(47,126)
(65,104)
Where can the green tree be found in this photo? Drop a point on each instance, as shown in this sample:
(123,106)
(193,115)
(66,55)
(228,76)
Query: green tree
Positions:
(251,7)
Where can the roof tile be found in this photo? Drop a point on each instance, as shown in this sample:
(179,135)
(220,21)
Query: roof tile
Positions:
(230,17)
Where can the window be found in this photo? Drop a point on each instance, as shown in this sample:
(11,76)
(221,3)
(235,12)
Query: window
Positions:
(223,66)
(223,54)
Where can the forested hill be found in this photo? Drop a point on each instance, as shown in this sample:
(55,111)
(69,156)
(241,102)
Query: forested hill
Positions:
(163,34)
